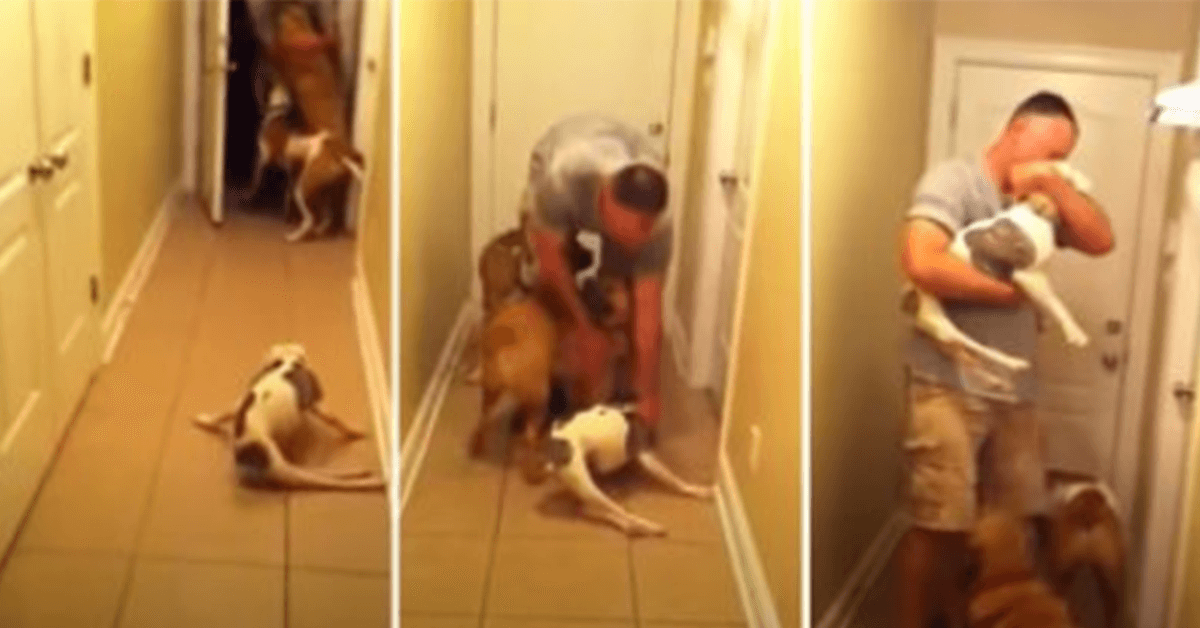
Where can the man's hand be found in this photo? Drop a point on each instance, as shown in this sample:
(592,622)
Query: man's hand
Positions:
(1084,227)
(649,409)
(931,267)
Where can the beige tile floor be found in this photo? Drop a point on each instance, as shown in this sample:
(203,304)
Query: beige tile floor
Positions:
(140,522)
(482,549)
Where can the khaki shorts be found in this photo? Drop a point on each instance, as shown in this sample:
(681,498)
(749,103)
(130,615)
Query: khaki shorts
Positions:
(963,451)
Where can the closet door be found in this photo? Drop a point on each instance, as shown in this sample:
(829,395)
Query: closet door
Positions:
(28,425)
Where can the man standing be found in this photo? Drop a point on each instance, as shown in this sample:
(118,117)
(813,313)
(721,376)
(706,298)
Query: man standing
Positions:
(951,416)
(600,179)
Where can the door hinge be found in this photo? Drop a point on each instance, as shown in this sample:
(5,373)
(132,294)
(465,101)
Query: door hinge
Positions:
(87,69)
(95,288)
(492,116)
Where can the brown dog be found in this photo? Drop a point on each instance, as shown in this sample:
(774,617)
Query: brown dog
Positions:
(306,63)
(1086,534)
(1006,591)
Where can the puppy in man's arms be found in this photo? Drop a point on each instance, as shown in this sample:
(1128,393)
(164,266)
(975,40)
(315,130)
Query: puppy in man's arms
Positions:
(603,439)
(1013,246)
(281,399)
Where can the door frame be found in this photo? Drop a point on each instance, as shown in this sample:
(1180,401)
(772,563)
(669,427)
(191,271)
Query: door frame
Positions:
(483,90)
(191,94)
(1164,69)
(1175,431)
(216,202)
(372,33)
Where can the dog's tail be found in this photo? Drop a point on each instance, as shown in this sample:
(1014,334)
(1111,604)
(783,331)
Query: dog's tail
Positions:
(345,153)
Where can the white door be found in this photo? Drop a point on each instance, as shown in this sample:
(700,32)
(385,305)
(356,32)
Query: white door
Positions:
(737,98)
(556,58)
(28,426)
(1081,389)
(62,39)
(214,46)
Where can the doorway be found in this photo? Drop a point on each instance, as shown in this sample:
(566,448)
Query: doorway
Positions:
(233,89)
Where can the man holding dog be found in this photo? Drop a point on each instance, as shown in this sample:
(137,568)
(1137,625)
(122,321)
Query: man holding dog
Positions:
(601,179)
(951,416)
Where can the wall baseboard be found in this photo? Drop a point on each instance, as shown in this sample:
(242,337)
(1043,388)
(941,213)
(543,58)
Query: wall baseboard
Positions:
(753,588)
(121,305)
(415,442)
(845,607)
(374,368)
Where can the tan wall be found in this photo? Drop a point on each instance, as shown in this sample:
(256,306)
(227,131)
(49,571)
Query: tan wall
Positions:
(688,254)
(870,104)
(375,233)
(766,390)
(1122,24)
(139,89)
(435,70)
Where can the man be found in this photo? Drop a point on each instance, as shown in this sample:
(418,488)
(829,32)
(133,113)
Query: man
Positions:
(600,179)
(951,417)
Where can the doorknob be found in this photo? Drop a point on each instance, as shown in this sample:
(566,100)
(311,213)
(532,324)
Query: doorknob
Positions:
(58,160)
(656,129)
(1111,361)
(1113,326)
(40,170)
(728,178)
(1184,392)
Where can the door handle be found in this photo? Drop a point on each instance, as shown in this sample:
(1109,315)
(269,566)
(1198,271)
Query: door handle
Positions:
(40,170)
(728,178)
(1113,326)
(656,129)
(1110,361)
(1184,392)
(58,160)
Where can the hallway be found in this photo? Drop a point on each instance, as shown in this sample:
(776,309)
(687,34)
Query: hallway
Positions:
(140,522)
(480,547)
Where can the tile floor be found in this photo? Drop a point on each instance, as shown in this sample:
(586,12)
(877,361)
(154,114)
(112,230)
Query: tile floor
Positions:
(482,549)
(140,522)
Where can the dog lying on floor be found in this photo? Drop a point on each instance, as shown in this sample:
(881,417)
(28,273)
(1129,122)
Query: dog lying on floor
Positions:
(603,439)
(1086,534)
(1006,592)
(281,397)
(1013,245)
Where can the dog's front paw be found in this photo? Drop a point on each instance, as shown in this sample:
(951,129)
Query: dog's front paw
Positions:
(1076,337)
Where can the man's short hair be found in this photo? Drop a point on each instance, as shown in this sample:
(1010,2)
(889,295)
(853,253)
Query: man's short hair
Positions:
(1045,103)
(641,188)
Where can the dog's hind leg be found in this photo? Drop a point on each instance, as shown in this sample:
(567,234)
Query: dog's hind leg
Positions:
(282,472)
(656,468)
(1037,286)
(306,216)
(600,506)
(932,319)
(336,423)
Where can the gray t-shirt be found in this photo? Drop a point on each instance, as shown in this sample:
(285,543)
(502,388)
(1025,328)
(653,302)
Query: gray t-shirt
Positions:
(954,194)
(565,171)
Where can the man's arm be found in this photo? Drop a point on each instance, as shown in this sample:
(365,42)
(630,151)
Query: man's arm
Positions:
(555,273)
(1085,226)
(647,336)
(926,259)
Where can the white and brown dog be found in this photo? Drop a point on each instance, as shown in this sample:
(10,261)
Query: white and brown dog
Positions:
(605,438)
(283,395)
(296,154)
(1013,245)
